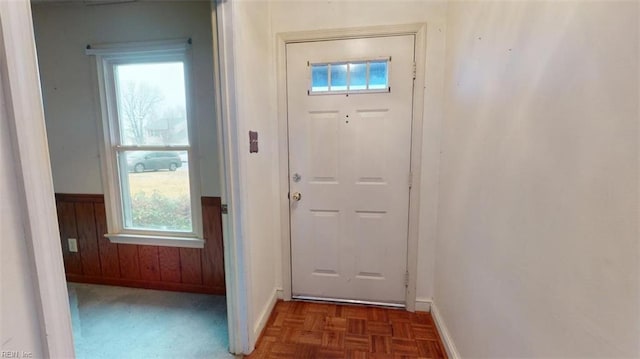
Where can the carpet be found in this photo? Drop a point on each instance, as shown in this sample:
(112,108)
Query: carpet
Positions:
(118,322)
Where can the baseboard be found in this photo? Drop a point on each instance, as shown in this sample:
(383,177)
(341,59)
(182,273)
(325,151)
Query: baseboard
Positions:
(449,346)
(423,304)
(145,284)
(279,293)
(264,317)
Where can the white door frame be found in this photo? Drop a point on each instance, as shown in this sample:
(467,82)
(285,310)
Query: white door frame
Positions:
(236,262)
(21,86)
(419,30)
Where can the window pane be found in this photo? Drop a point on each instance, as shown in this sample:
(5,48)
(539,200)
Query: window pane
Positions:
(319,78)
(155,190)
(357,76)
(378,75)
(152,104)
(339,77)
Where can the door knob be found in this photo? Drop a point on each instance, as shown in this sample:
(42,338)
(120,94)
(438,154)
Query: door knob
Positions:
(297,196)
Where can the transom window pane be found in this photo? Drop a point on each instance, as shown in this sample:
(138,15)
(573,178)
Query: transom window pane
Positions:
(365,76)
(155,190)
(378,75)
(358,78)
(339,77)
(151,102)
(320,77)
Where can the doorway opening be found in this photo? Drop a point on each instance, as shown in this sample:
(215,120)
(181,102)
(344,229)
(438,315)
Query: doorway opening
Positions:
(127,295)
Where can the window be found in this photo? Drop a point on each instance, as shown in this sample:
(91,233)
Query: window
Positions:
(151,188)
(350,77)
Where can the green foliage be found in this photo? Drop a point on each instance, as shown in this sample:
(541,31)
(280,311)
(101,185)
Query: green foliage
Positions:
(161,212)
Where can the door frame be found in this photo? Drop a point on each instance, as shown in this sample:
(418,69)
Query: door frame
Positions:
(237,282)
(21,87)
(419,30)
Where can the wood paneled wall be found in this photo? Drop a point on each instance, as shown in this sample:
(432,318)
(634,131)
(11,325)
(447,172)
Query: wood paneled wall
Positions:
(99,261)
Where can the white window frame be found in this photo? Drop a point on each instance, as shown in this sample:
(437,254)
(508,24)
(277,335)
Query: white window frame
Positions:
(107,57)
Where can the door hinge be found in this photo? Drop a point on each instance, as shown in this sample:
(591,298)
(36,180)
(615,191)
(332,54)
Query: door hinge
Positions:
(406,279)
(410,179)
(414,70)
(224,209)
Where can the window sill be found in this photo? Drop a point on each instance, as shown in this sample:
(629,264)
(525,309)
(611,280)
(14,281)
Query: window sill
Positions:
(149,240)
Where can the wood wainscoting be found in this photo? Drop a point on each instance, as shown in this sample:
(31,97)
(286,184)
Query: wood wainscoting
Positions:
(99,261)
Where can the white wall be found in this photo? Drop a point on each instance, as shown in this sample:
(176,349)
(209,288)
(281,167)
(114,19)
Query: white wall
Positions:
(69,86)
(537,252)
(288,16)
(254,26)
(19,323)
(256,111)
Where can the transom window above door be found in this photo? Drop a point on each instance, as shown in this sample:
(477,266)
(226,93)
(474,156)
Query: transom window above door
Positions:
(349,77)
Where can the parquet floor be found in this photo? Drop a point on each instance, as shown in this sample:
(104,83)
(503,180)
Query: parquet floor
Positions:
(300,330)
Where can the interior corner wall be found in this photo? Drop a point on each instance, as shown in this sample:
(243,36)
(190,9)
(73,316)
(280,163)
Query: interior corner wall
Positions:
(70,88)
(537,252)
(20,325)
(291,16)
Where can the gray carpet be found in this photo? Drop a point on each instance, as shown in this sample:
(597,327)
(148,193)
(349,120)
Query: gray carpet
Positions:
(116,322)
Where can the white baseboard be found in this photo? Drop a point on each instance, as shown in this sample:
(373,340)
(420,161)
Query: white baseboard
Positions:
(423,304)
(279,293)
(450,347)
(264,317)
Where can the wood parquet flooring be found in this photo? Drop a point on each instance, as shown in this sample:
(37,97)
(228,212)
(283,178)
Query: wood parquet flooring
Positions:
(301,330)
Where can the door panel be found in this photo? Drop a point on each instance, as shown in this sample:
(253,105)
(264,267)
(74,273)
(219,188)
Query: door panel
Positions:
(370,244)
(325,147)
(352,154)
(325,242)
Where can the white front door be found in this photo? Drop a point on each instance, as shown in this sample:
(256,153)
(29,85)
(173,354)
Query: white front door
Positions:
(350,114)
